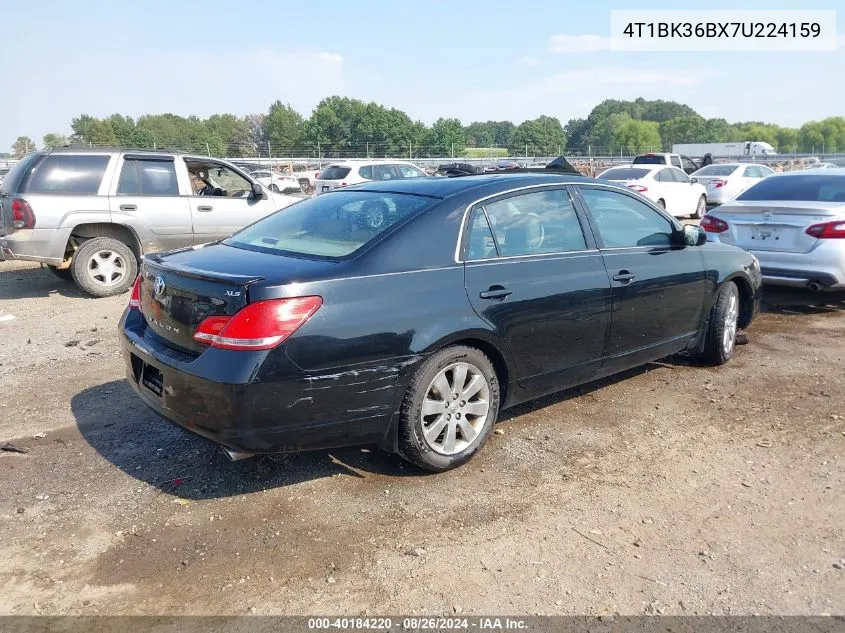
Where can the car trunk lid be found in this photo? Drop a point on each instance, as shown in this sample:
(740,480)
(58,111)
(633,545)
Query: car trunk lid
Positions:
(182,288)
(775,226)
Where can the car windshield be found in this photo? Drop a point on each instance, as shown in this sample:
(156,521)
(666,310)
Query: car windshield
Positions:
(332,226)
(716,170)
(624,173)
(803,188)
(650,159)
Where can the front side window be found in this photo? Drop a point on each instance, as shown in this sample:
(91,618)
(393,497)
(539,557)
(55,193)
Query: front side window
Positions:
(406,171)
(147,178)
(330,226)
(623,221)
(68,173)
(535,223)
(209,178)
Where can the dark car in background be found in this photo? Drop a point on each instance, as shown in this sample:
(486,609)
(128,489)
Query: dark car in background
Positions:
(409,313)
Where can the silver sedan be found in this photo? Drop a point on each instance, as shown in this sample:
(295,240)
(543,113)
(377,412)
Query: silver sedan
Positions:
(793,223)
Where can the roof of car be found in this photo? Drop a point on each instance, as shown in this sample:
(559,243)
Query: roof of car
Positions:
(441,187)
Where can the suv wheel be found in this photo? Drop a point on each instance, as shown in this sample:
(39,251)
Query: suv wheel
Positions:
(103,267)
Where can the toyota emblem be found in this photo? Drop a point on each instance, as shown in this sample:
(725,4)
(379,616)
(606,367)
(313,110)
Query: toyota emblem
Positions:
(159,286)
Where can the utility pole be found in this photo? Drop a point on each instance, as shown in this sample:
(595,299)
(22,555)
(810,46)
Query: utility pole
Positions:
(453,151)
(368,149)
(410,150)
(207,149)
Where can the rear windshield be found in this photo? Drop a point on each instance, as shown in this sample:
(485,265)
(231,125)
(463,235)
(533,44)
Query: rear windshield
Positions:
(803,188)
(15,175)
(716,170)
(332,226)
(624,173)
(68,173)
(334,173)
(650,160)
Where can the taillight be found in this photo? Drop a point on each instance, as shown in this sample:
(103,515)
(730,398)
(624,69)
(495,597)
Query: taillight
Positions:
(135,297)
(713,224)
(316,175)
(638,188)
(718,184)
(257,326)
(827,230)
(22,215)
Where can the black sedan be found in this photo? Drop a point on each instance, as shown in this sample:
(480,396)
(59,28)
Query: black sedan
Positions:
(409,313)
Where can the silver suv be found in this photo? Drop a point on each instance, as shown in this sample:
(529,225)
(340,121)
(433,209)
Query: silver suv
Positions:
(90,214)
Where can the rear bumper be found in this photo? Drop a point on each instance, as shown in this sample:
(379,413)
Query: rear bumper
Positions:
(266,403)
(37,245)
(824,266)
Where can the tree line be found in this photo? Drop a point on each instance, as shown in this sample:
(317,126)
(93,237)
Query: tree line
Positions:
(346,127)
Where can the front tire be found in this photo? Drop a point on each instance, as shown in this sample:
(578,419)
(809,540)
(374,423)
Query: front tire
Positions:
(720,339)
(103,267)
(449,409)
(700,208)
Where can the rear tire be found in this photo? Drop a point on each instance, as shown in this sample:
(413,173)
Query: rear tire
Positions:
(661,204)
(274,188)
(439,440)
(104,267)
(720,339)
(62,273)
(700,208)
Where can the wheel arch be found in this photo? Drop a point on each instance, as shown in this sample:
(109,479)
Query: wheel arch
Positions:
(90,230)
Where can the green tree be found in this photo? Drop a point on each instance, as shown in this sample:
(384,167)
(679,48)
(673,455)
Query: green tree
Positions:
(685,129)
(90,130)
(448,138)
(787,140)
(637,136)
(22,146)
(716,131)
(578,136)
(54,140)
(283,127)
(542,136)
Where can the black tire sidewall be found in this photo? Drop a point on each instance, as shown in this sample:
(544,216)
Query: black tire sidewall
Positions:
(412,445)
(79,265)
(701,208)
(714,351)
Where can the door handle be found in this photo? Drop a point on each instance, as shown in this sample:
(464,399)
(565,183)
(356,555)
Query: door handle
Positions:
(205,208)
(495,292)
(624,277)
(128,207)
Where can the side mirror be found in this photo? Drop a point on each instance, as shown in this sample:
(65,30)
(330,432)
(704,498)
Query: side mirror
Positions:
(694,235)
(257,191)
(693,180)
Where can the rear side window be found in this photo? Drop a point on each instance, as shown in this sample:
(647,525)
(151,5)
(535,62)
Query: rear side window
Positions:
(148,178)
(664,175)
(68,173)
(535,223)
(809,188)
(366,172)
(334,173)
(679,176)
(17,173)
(330,226)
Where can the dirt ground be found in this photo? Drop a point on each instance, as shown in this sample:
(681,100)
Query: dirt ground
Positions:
(674,489)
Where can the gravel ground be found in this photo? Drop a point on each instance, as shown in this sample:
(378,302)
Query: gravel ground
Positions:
(672,489)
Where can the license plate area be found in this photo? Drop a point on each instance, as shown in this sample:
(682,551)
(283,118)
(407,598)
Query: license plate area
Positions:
(152,379)
(765,234)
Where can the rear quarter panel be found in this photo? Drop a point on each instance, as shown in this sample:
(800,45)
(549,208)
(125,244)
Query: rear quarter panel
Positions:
(724,263)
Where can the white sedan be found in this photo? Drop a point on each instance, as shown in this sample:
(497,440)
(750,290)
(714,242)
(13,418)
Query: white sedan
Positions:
(277,183)
(725,181)
(668,187)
